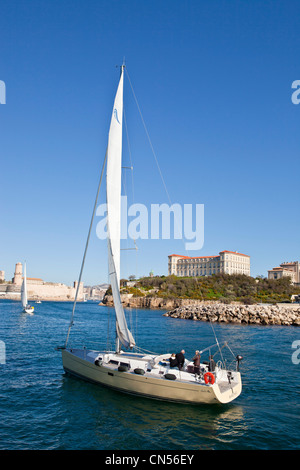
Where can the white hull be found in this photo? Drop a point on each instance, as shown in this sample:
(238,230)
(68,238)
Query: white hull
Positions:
(153,384)
(29,310)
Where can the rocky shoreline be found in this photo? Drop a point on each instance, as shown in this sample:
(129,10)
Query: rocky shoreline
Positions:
(190,309)
(288,315)
(146,302)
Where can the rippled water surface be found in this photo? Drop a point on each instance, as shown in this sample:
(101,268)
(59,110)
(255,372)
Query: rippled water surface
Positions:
(42,408)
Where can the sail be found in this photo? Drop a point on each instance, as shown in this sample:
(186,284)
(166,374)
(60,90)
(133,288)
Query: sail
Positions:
(113,198)
(123,332)
(113,176)
(24,289)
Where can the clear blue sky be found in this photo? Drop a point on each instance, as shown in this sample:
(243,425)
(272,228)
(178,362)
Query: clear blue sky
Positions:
(213,79)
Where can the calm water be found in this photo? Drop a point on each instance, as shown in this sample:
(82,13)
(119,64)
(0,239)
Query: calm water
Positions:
(42,408)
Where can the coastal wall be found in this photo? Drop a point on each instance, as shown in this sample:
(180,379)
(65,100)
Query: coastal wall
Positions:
(37,289)
(155,302)
(53,291)
(41,291)
(190,309)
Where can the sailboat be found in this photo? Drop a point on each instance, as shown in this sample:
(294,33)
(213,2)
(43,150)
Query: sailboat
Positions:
(127,368)
(26,307)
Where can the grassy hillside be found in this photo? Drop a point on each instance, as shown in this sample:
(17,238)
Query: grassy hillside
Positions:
(222,287)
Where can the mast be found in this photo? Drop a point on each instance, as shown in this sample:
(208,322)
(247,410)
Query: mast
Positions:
(113,198)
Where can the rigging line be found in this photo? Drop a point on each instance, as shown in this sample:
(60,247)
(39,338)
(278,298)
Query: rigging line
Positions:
(136,309)
(129,152)
(108,332)
(231,351)
(126,249)
(216,340)
(153,151)
(133,201)
(108,342)
(213,331)
(86,247)
(146,351)
(208,347)
(129,168)
(148,136)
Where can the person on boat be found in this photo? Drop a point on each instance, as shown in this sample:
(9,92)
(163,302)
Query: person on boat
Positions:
(173,361)
(196,360)
(180,359)
(212,364)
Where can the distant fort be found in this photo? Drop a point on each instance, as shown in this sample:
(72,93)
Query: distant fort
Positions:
(37,289)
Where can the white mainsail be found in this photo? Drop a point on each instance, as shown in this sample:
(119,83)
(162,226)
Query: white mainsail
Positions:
(24,289)
(113,198)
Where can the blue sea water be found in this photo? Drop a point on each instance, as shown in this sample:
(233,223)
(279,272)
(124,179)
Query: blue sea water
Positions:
(43,409)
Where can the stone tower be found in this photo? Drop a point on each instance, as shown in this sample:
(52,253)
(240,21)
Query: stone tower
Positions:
(17,279)
(2,276)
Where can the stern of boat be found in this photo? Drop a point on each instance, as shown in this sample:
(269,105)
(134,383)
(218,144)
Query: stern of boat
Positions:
(227,391)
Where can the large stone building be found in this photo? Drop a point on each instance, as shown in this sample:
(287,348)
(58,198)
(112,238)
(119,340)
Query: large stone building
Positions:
(288,269)
(229,262)
(95,292)
(37,289)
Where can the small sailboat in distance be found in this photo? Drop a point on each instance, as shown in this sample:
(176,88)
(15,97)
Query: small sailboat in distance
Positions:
(137,371)
(26,307)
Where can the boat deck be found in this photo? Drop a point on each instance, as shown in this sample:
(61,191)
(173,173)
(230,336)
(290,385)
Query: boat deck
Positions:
(152,367)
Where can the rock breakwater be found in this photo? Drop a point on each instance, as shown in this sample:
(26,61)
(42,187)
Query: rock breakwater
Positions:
(288,314)
(142,302)
(192,309)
